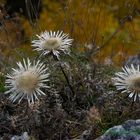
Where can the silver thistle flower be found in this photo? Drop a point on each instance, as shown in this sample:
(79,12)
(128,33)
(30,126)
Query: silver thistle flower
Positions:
(27,81)
(129,81)
(52,42)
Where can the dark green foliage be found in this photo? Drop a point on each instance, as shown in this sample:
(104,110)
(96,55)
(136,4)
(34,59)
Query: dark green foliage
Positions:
(2,79)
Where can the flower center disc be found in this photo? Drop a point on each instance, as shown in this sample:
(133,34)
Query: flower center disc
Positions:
(51,43)
(135,84)
(27,81)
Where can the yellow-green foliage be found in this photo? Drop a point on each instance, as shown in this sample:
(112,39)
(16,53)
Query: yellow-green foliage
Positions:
(89,21)
(94,22)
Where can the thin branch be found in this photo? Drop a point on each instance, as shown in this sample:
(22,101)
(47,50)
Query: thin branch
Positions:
(122,22)
(107,41)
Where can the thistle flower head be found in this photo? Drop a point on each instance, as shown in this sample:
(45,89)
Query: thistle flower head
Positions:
(27,81)
(52,42)
(129,81)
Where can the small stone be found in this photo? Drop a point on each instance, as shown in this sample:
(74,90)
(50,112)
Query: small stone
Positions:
(25,136)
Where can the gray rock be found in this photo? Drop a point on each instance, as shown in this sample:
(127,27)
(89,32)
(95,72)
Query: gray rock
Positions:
(24,136)
(130,130)
(135,60)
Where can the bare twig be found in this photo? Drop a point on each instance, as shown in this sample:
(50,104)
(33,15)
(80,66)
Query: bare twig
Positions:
(122,22)
(106,42)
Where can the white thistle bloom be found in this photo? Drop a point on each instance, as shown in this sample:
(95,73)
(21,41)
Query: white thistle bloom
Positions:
(27,81)
(129,81)
(52,42)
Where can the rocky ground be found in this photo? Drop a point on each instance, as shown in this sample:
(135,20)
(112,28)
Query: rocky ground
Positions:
(97,109)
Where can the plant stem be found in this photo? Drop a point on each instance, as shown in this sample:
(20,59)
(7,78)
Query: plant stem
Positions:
(67,80)
(66,77)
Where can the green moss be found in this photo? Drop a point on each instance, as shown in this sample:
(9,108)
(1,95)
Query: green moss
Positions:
(132,132)
(2,86)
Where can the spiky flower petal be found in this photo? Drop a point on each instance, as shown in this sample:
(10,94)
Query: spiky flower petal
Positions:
(129,81)
(52,42)
(27,81)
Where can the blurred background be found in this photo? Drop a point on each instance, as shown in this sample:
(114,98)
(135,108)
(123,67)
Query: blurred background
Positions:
(106,31)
